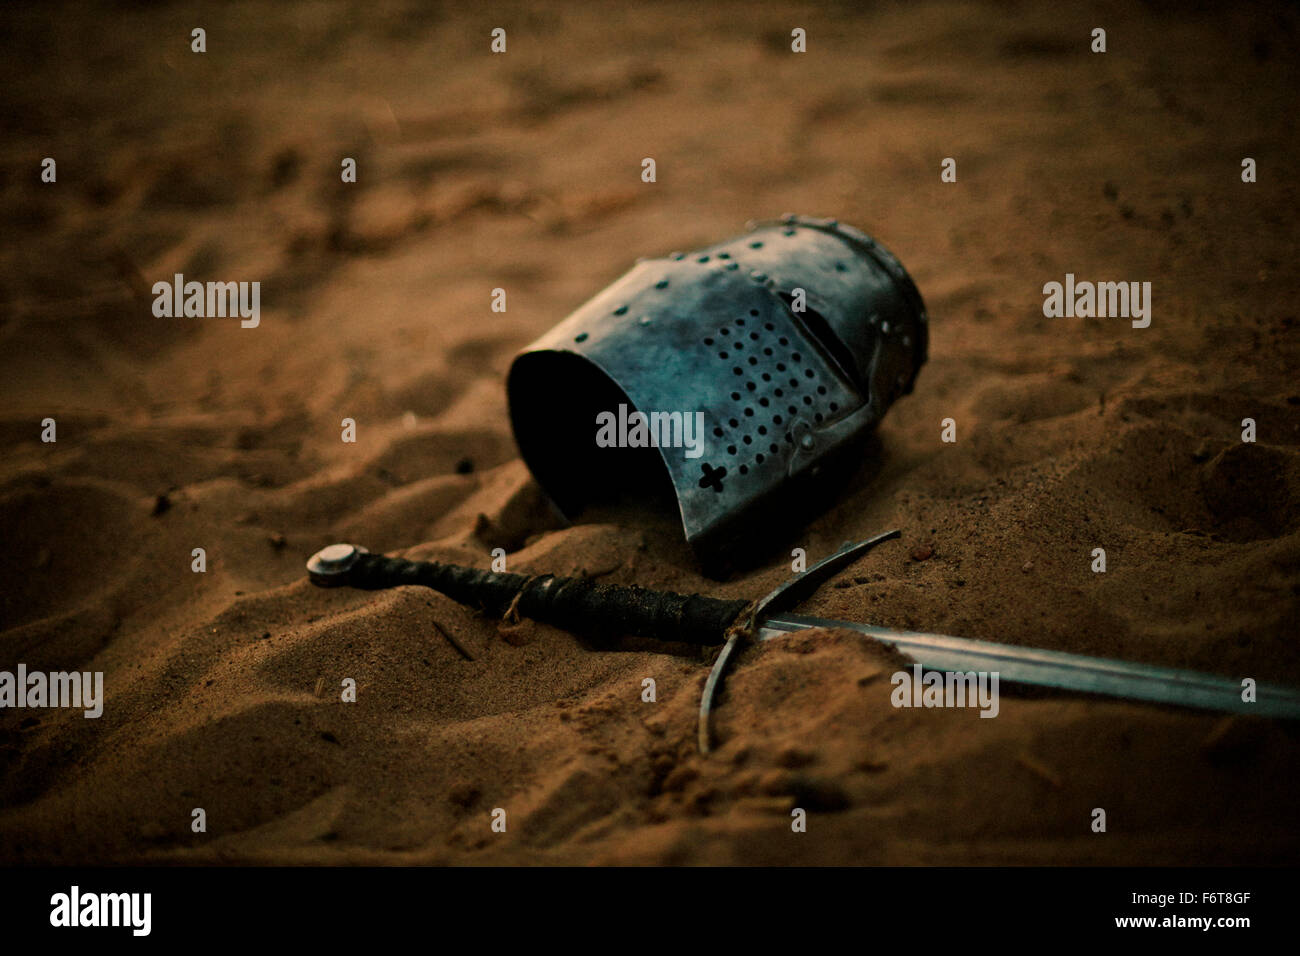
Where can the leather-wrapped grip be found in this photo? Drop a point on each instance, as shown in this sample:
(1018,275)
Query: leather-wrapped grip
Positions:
(574,604)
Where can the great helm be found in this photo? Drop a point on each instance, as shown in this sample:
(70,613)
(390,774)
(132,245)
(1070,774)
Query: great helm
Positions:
(792,340)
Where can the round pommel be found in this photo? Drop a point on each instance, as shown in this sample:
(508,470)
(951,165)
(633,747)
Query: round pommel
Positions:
(328,566)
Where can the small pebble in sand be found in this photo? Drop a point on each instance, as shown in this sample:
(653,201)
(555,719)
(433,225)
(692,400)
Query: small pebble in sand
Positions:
(516,635)
(923,552)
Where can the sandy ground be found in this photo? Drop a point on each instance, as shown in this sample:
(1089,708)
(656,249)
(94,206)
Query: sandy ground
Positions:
(522,171)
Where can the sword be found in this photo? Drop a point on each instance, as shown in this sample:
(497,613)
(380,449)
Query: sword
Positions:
(581,605)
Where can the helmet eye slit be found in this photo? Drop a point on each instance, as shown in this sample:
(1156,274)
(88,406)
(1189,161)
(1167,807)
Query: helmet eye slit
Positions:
(820,333)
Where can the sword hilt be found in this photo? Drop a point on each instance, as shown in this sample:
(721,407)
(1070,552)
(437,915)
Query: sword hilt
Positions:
(572,603)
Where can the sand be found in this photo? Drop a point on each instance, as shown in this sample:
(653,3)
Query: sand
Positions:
(522,171)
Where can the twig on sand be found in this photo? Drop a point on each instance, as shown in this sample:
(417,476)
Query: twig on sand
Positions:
(1218,732)
(453,642)
(1041,770)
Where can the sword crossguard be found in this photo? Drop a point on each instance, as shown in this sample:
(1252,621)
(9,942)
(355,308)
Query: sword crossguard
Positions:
(790,593)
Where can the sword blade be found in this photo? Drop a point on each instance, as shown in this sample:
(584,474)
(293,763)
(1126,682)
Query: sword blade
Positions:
(1076,672)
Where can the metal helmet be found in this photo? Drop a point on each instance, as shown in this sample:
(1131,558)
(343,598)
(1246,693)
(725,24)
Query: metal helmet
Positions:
(792,340)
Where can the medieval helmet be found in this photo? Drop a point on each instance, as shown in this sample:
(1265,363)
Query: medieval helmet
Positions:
(791,340)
